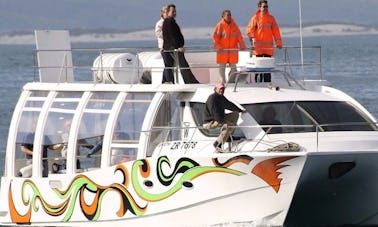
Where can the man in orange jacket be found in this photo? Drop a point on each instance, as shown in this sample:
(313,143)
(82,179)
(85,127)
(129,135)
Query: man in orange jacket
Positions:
(227,40)
(263,31)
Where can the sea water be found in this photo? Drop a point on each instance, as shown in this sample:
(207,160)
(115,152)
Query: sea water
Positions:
(350,63)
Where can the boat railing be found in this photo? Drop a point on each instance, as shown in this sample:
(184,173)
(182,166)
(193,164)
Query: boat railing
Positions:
(198,140)
(260,137)
(250,75)
(86,63)
(311,57)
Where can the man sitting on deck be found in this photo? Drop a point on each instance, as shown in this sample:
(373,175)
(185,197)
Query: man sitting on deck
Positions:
(215,116)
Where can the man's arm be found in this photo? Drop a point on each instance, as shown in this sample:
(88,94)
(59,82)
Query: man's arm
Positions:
(26,150)
(231,106)
(177,35)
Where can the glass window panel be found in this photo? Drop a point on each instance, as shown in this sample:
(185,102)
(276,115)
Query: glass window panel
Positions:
(58,125)
(33,103)
(36,99)
(168,115)
(69,94)
(329,115)
(25,138)
(92,128)
(131,116)
(300,116)
(128,126)
(123,154)
(102,100)
(39,94)
(67,100)
(25,134)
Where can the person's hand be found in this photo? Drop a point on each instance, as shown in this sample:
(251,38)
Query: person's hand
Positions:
(58,146)
(279,47)
(88,146)
(244,111)
(224,126)
(181,49)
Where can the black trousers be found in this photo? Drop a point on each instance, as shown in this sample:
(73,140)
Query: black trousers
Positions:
(169,62)
(168,71)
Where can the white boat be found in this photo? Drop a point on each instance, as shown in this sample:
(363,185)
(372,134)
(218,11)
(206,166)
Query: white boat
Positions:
(157,164)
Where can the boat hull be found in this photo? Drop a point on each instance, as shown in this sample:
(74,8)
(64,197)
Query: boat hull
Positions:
(179,191)
(312,189)
(335,190)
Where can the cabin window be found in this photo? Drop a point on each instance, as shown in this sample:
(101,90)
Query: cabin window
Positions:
(301,116)
(25,134)
(128,125)
(167,123)
(91,130)
(57,128)
(309,116)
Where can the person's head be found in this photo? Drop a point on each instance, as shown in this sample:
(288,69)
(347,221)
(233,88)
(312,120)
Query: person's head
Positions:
(164,12)
(68,123)
(226,15)
(171,10)
(263,5)
(219,88)
(269,113)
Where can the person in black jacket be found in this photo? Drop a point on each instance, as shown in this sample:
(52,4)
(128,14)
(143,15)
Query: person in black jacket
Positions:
(173,43)
(269,118)
(27,148)
(215,116)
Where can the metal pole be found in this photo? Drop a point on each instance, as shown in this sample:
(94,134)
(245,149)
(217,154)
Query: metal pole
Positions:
(175,51)
(300,32)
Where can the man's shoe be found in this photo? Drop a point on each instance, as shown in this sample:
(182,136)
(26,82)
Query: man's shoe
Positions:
(218,147)
(220,150)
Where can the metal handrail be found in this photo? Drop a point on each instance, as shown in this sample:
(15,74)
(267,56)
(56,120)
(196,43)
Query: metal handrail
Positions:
(318,129)
(285,50)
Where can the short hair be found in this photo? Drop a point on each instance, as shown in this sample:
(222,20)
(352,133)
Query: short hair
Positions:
(226,11)
(219,85)
(261,2)
(171,6)
(269,109)
(163,10)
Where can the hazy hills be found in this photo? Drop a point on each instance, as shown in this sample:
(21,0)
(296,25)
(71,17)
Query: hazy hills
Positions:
(129,15)
(191,33)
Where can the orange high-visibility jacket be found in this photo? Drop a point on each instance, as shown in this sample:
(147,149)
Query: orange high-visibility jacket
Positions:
(264,29)
(227,39)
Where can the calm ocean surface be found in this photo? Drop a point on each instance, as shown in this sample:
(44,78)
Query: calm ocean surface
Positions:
(350,63)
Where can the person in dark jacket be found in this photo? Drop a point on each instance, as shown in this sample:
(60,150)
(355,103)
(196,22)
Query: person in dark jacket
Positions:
(173,43)
(215,115)
(269,118)
(27,149)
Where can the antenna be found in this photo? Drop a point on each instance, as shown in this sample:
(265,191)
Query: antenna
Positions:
(300,31)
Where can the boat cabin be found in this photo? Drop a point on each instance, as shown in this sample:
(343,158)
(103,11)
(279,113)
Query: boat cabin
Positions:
(76,128)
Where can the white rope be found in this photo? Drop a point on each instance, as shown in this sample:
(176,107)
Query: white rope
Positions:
(285,147)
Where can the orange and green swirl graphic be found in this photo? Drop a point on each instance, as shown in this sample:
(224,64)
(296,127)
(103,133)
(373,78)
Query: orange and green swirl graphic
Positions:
(140,179)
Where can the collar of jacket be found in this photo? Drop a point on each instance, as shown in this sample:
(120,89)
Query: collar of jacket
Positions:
(231,21)
(258,12)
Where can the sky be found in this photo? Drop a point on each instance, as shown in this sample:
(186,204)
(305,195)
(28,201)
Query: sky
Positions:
(19,15)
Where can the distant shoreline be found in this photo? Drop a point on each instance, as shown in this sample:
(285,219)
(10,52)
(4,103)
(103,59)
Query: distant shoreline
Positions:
(199,33)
